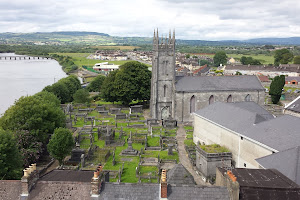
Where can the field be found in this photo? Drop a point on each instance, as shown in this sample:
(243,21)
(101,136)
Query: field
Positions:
(80,59)
(130,48)
(262,58)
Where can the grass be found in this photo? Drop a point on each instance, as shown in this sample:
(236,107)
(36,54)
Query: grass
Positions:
(153,142)
(214,148)
(116,47)
(80,59)
(264,59)
(189,143)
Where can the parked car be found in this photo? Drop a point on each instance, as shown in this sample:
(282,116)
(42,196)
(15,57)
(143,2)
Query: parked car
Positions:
(289,91)
(297,91)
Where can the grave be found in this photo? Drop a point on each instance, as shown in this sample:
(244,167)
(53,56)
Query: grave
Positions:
(169,123)
(104,112)
(153,122)
(121,116)
(115,110)
(76,155)
(129,151)
(109,136)
(136,109)
(100,108)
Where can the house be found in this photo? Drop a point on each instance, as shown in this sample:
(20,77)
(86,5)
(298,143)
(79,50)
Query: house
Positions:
(293,108)
(289,80)
(257,184)
(94,185)
(249,132)
(105,67)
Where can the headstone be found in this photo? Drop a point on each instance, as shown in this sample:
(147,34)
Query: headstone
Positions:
(115,110)
(121,116)
(76,155)
(129,151)
(104,112)
(136,109)
(170,149)
(169,123)
(100,108)
(82,160)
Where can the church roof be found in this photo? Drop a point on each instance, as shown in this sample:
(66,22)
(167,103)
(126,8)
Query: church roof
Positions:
(294,105)
(279,161)
(217,83)
(236,116)
(179,175)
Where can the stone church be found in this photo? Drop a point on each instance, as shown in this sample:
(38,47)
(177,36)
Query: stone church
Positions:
(177,97)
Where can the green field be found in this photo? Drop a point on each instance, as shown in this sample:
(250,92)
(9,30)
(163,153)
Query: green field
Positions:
(262,58)
(80,59)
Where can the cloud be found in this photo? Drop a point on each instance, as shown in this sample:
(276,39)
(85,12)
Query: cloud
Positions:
(192,19)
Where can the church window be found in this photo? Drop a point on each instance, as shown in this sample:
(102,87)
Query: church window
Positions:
(248,97)
(165,90)
(242,138)
(192,104)
(211,99)
(229,99)
(245,165)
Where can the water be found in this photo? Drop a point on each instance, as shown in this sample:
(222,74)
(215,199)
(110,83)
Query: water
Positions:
(25,77)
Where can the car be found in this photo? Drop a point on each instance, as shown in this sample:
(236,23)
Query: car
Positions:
(289,91)
(296,91)
(267,90)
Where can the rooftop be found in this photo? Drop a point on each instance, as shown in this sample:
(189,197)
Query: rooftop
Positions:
(294,105)
(214,148)
(217,83)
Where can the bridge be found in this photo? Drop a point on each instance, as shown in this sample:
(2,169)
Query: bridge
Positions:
(23,58)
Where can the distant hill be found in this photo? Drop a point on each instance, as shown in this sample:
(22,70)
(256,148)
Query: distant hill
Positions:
(94,38)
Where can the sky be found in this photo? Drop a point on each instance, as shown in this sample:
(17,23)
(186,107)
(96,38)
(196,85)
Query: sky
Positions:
(191,19)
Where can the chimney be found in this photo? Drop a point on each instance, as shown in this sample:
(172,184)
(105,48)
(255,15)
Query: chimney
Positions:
(96,183)
(28,180)
(163,185)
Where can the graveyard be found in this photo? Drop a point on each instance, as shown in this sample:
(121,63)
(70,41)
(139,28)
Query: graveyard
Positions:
(133,149)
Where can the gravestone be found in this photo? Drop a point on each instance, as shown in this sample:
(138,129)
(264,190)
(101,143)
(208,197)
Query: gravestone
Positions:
(169,123)
(76,156)
(100,108)
(136,109)
(115,110)
(104,112)
(170,149)
(129,151)
(121,116)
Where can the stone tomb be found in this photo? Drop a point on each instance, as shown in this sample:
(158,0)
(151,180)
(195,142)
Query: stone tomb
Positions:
(76,156)
(129,151)
(121,116)
(103,112)
(169,123)
(114,110)
(100,108)
(136,109)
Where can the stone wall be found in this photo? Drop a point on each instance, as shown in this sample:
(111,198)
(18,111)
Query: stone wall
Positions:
(182,99)
(244,151)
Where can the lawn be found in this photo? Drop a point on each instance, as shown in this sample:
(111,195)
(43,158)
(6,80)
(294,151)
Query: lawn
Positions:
(262,58)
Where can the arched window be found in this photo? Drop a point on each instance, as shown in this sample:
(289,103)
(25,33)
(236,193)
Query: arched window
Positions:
(165,90)
(192,104)
(211,99)
(229,99)
(248,97)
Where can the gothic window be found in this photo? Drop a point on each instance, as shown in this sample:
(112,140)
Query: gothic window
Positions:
(248,97)
(192,104)
(165,90)
(211,99)
(229,99)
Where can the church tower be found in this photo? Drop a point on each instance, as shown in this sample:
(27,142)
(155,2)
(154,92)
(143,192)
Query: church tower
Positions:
(163,77)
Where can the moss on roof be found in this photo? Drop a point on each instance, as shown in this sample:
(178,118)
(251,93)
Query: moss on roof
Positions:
(214,148)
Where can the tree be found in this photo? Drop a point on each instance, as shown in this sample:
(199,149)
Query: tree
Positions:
(187,56)
(297,60)
(108,87)
(96,84)
(81,96)
(283,56)
(204,62)
(10,157)
(238,73)
(61,90)
(60,144)
(276,88)
(37,114)
(30,148)
(133,82)
(220,58)
(249,61)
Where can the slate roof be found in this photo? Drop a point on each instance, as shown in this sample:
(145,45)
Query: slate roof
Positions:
(133,191)
(281,68)
(10,189)
(279,161)
(217,83)
(292,78)
(68,175)
(294,105)
(180,176)
(257,184)
(280,133)
(236,116)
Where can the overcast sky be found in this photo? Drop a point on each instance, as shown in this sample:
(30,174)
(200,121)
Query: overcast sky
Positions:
(192,19)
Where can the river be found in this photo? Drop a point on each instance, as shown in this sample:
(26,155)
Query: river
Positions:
(25,77)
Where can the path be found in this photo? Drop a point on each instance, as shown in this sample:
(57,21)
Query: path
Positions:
(183,156)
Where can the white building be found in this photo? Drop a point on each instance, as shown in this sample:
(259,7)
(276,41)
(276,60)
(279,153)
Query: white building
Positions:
(105,67)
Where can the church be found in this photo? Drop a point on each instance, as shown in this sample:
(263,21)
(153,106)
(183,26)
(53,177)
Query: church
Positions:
(177,97)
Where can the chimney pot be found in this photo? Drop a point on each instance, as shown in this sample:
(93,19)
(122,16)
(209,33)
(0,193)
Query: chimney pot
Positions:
(25,172)
(96,174)
(34,166)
